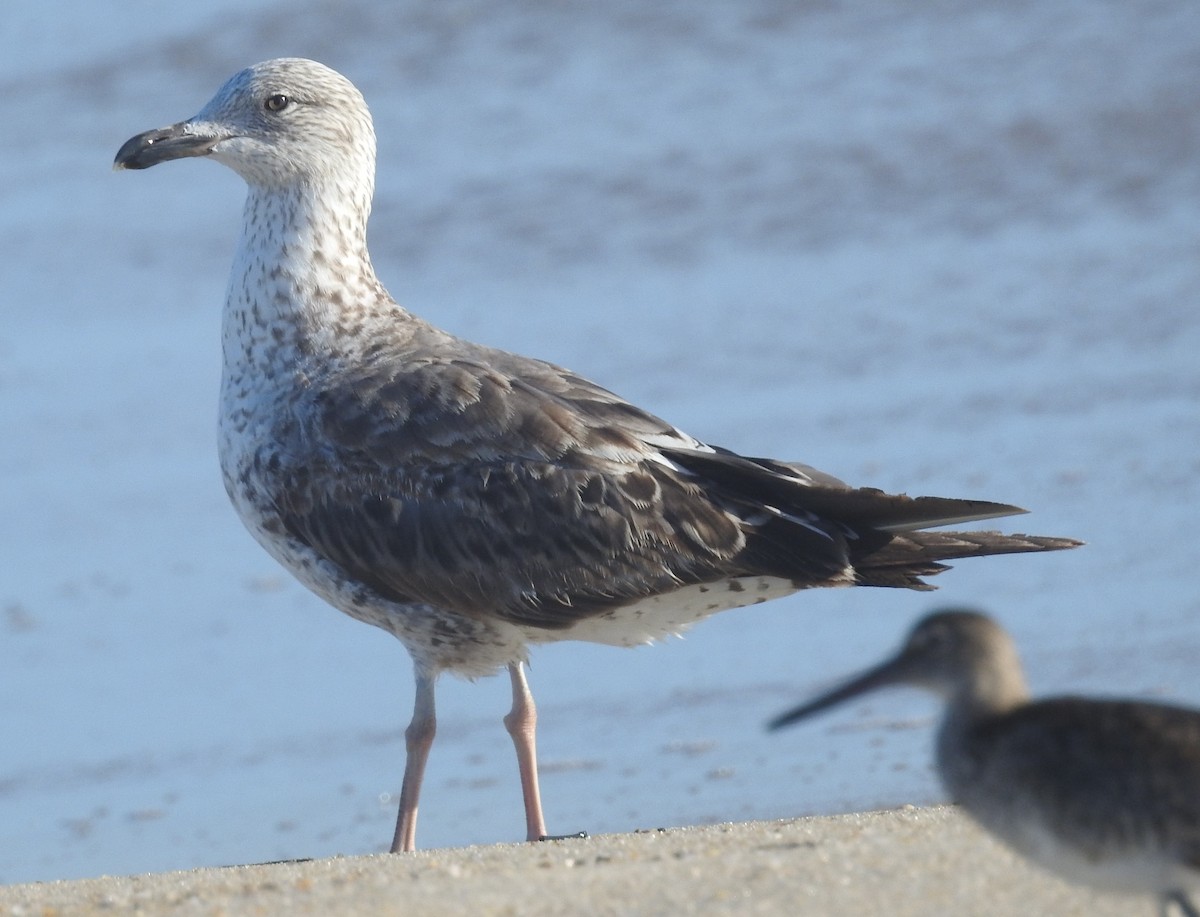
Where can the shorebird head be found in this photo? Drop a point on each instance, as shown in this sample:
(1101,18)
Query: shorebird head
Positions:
(277,124)
(963,656)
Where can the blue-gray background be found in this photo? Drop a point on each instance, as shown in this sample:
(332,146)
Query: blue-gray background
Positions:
(942,248)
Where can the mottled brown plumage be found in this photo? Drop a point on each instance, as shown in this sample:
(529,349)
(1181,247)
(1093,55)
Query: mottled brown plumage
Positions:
(471,501)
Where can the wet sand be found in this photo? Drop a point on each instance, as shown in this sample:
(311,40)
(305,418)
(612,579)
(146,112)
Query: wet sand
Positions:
(899,862)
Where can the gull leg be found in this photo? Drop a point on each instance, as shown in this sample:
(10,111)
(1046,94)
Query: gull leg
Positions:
(521,723)
(418,739)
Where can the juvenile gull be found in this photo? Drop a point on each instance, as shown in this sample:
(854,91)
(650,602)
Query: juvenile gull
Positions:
(1104,792)
(470,501)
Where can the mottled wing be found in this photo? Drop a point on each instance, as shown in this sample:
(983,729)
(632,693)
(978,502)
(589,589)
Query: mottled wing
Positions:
(534,496)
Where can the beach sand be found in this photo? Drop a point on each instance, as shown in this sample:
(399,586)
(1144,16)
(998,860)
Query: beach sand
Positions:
(900,862)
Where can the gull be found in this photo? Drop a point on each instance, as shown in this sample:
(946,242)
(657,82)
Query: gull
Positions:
(474,502)
(1103,792)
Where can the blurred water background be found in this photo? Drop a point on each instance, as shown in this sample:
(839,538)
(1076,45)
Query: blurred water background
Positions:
(941,248)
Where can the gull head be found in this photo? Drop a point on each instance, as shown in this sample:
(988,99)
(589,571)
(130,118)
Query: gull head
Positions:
(277,124)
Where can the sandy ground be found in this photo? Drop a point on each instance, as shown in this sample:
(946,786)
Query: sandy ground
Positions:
(906,861)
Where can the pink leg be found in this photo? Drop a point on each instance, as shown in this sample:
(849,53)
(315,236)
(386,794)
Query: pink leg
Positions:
(521,723)
(418,739)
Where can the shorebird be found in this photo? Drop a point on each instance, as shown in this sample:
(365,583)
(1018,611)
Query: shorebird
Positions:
(1103,792)
(470,501)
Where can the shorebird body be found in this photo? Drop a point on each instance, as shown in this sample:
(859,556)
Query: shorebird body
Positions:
(469,500)
(1103,792)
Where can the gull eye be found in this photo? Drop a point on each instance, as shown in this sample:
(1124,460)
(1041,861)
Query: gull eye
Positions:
(276,102)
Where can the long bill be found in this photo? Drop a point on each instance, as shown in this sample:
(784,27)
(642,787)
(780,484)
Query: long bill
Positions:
(885,675)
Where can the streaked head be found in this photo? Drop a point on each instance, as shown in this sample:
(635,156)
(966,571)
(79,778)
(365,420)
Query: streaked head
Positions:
(278,123)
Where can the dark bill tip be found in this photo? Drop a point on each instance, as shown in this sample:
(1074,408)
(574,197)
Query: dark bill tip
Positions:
(175,142)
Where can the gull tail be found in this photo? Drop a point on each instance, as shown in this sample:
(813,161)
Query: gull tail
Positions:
(884,536)
(901,559)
